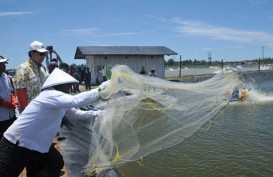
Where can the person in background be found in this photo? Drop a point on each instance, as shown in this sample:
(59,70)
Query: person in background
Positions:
(42,118)
(30,75)
(58,59)
(102,72)
(64,67)
(71,71)
(152,73)
(142,71)
(81,72)
(87,79)
(52,63)
(51,66)
(8,100)
(77,76)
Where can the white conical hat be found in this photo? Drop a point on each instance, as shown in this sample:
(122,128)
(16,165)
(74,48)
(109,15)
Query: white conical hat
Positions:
(58,77)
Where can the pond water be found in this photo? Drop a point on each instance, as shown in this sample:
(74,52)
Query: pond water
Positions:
(238,142)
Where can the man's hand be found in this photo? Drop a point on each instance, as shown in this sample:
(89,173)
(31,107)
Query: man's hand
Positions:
(7,104)
(104,85)
(98,113)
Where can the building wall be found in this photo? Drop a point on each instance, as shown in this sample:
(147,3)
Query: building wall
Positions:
(135,62)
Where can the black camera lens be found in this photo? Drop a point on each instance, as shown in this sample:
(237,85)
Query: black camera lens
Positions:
(49,48)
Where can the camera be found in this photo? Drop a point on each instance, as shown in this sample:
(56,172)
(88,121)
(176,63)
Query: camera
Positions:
(49,48)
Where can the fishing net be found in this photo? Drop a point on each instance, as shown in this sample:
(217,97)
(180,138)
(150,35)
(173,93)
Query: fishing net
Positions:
(146,114)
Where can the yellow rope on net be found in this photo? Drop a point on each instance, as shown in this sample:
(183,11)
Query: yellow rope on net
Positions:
(127,77)
(96,169)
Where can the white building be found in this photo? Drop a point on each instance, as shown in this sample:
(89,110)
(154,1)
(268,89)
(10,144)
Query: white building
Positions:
(133,56)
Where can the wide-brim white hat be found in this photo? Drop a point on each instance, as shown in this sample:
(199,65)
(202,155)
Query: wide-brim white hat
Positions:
(37,46)
(58,77)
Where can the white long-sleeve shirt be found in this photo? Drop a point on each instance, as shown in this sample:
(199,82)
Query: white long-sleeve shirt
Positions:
(38,124)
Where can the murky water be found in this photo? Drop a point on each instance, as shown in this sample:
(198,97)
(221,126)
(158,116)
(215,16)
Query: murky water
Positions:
(238,142)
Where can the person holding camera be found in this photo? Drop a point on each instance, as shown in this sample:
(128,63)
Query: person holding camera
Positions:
(52,63)
(50,59)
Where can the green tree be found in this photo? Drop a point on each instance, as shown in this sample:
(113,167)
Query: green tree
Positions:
(170,62)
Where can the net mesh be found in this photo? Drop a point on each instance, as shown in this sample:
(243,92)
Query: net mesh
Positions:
(147,114)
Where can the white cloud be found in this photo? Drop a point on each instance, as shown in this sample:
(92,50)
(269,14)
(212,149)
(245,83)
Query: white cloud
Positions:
(96,32)
(222,33)
(122,34)
(81,31)
(4,14)
(207,49)
(258,2)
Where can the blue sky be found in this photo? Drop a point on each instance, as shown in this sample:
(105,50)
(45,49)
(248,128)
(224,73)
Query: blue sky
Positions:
(232,30)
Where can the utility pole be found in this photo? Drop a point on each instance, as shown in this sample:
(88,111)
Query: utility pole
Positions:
(259,62)
(180,67)
(262,52)
(222,65)
(209,58)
